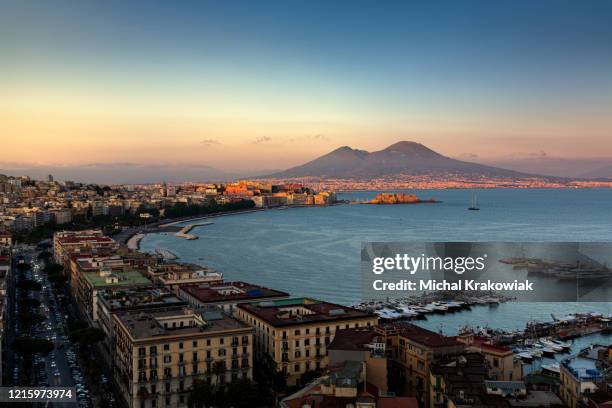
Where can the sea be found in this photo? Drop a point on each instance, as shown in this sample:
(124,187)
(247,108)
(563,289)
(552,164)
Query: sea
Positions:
(315,251)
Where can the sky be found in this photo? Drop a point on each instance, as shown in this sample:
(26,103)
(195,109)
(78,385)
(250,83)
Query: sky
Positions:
(255,85)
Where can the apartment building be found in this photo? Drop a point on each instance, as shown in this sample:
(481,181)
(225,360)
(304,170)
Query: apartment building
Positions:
(226,295)
(91,273)
(500,360)
(296,332)
(175,274)
(580,375)
(413,349)
(158,354)
(120,299)
(70,242)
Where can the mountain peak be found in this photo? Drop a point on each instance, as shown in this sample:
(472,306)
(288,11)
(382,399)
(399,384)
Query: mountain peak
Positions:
(411,148)
(403,158)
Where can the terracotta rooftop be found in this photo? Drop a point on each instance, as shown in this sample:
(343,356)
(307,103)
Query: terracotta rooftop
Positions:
(284,312)
(423,336)
(352,339)
(235,291)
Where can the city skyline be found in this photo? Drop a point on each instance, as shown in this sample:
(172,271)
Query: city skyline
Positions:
(247,89)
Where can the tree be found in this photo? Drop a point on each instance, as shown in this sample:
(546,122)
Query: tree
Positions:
(201,395)
(44,255)
(52,268)
(268,378)
(243,393)
(28,284)
(218,369)
(308,376)
(87,336)
(29,319)
(27,303)
(27,346)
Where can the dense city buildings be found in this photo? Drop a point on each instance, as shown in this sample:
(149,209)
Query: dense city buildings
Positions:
(28,205)
(159,353)
(413,349)
(296,332)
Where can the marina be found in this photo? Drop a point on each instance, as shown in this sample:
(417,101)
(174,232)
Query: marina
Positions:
(560,270)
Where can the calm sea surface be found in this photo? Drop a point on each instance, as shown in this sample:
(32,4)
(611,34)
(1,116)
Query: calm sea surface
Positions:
(316,251)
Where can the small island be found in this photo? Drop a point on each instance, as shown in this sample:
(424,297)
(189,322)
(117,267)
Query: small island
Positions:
(399,198)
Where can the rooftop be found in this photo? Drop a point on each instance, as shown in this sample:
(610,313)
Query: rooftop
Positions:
(128,278)
(138,298)
(582,368)
(235,291)
(298,311)
(423,336)
(354,339)
(177,322)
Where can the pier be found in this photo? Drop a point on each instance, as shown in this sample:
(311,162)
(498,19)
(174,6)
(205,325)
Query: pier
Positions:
(184,232)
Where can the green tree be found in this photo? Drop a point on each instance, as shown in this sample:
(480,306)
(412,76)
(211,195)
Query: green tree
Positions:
(243,393)
(201,395)
(87,336)
(218,369)
(27,346)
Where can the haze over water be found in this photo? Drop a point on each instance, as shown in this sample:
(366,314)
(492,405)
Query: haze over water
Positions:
(316,251)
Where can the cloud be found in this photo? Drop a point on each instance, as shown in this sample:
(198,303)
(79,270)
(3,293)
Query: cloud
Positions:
(210,142)
(261,140)
(310,138)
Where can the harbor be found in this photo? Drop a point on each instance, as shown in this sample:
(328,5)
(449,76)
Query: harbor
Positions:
(560,270)
(536,340)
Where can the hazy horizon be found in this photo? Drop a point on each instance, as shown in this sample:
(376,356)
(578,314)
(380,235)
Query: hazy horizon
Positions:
(539,163)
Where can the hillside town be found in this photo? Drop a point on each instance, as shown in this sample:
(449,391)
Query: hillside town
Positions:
(34,208)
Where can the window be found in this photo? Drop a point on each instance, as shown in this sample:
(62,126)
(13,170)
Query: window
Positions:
(167,359)
(195,343)
(296,332)
(297,368)
(208,342)
(167,387)
(180,345)
(142,351)
(166,347)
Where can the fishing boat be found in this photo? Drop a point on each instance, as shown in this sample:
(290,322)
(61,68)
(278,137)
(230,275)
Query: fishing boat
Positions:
(474,206)
(564,346)
(550,344)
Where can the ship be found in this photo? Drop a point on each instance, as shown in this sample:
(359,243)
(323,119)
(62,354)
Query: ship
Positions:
(474,206)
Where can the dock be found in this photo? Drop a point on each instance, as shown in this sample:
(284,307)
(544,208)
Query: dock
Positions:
(184,232)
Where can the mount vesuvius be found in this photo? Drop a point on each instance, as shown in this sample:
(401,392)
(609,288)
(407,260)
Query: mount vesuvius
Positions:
(402,158)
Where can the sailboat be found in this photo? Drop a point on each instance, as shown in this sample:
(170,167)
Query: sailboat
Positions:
(474,206)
